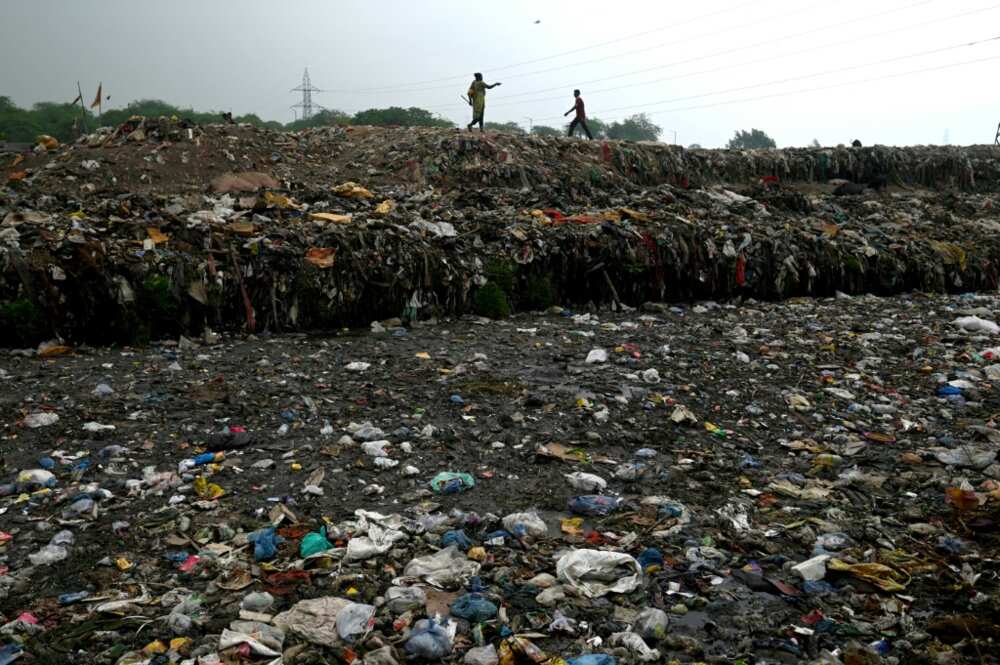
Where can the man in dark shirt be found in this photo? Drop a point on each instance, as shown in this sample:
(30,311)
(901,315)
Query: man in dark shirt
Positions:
(581,116)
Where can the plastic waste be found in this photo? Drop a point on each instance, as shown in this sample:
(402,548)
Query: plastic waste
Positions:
(48,555)
(404,599)
(446,568)
(586,482)
(448,482)
(265,543)
(485,655)
(314,542)
(526,524)
(636,646)
(593,505)
(594,573)
(457,538)
(41,419)
(354,621)
(473,607)
(71,598)
(35,478)
(592,659)
(651,560)
(974,324)
(375,448)
(205,458)
(429,640)
(597,356)
(651,624)
(257,602)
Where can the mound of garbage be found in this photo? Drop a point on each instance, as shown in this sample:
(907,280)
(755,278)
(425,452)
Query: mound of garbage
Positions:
(156,228)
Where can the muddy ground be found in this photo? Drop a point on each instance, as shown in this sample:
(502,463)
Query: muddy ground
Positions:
(807,418)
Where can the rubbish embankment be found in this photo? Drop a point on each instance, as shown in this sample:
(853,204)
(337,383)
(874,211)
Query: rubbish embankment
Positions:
(157,228)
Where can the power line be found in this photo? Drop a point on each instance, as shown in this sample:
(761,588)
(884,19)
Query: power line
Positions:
(398,87)
(822,88)
(508,102)
(791,79)
(655,47)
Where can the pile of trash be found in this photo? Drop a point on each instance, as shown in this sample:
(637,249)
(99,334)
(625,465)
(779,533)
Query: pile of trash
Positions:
(156,229)
(806,481)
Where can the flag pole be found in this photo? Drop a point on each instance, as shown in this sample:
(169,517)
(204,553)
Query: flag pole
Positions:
(83,108)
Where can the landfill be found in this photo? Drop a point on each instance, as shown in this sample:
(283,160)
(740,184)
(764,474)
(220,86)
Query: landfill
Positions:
(710,448)
(158,228)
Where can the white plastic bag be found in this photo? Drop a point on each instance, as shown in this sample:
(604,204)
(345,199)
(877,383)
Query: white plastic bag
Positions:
(975,324)
(582,570)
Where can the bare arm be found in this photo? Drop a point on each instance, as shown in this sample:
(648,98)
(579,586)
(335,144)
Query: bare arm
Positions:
(490,87)
(569,111)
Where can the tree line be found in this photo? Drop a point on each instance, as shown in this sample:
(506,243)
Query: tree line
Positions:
(67,121)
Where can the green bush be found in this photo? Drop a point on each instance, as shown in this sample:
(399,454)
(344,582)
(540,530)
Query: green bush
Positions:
(539,294)
(22,323)
(491,301)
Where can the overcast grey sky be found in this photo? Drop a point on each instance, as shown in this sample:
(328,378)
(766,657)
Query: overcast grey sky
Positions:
(690,66)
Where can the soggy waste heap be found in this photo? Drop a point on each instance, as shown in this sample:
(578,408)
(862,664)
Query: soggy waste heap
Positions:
(805,481)
(156,228)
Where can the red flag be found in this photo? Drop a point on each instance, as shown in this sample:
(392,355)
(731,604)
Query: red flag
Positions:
(97,99)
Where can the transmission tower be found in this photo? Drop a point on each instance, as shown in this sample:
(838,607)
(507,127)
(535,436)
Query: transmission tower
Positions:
(997,139)
(307,105)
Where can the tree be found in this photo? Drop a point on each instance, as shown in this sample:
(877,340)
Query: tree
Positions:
(815,144)
(509,127)
(544,130)
(257,121)
(324,118)
(754,139)
(695,146)
(635,128)
(395,115)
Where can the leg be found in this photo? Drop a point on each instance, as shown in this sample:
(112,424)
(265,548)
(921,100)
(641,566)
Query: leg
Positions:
(572,126)
(586,129)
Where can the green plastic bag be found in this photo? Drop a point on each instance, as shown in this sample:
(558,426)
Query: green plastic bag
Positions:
(448,482)
(314,542)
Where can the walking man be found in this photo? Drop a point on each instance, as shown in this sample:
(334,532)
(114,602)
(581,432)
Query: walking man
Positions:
(581,116)
(477,99)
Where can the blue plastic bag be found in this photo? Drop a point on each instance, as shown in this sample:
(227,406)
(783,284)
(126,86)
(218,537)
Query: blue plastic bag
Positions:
(650,557)
(428,640)
(265,543)
(592,659)
(474,608)
(593,505)
(456,538)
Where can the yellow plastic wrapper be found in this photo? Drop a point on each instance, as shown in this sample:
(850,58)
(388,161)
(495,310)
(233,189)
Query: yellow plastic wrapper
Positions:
(330,217)
(207,490)
(352,190)
(881,576)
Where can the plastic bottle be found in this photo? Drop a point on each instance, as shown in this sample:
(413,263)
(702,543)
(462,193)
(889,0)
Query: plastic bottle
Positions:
(75,597)
(200,460)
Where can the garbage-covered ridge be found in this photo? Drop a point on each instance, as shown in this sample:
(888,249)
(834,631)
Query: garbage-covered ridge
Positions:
(403,395)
